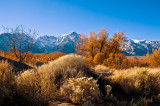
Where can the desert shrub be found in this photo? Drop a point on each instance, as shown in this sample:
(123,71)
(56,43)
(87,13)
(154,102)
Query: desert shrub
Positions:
(70,60)
(137,62)
(117,61)
(31,59)
(120,61)
(80,90)
(138,80)
(101,68)
(154,59)
(44,58)
(42,84)
(36,87)
(69,66)
(6,82)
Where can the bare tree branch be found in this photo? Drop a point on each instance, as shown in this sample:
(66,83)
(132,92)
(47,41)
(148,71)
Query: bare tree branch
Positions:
(19,41)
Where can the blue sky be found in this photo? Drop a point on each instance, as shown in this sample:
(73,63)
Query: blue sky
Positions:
(138,19)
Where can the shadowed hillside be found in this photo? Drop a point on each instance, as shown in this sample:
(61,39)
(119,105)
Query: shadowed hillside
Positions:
(17,66)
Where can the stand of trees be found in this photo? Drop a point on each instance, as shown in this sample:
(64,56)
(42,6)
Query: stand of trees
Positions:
(100,49)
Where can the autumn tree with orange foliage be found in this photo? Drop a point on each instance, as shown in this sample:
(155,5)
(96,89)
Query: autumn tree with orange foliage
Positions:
(97,47)
(154,59)
(80,45)
(118,61)
(137,62)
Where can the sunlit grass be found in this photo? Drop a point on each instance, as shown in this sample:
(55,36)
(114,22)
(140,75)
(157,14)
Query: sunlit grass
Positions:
(136,79)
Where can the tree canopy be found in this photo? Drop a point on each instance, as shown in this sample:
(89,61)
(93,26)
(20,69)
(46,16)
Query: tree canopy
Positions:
(99,48)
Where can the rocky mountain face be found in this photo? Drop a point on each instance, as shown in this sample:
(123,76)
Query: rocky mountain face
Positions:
(66,43)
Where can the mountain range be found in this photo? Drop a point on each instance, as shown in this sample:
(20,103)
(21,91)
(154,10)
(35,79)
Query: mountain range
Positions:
(66,43)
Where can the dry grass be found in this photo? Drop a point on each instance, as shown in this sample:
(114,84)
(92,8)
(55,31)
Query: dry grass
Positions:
(69,79)
(36,87)
(102,68)
(65,79)
(6,81)
(42,85)
(142,80)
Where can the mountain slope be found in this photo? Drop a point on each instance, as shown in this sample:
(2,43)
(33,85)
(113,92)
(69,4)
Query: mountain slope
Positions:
(64,43)
(139,47)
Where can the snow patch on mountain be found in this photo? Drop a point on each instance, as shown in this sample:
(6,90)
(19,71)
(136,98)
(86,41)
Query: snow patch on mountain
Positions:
(137,41)
(139,47)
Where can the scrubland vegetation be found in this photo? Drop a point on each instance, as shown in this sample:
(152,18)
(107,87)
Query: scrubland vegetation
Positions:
(145,81)
(69,79)
(51,82)
(31,59)
(100,75)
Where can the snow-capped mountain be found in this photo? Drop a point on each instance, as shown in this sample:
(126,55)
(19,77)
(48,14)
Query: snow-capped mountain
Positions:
(46,40)
(134,47)
(66,43)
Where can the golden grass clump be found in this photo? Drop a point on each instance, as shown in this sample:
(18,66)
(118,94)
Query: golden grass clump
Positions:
(67,66)
(71,60)
(6,81)
(80,90)
(42,84)
(102,68)
(36,87)
(143,80)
